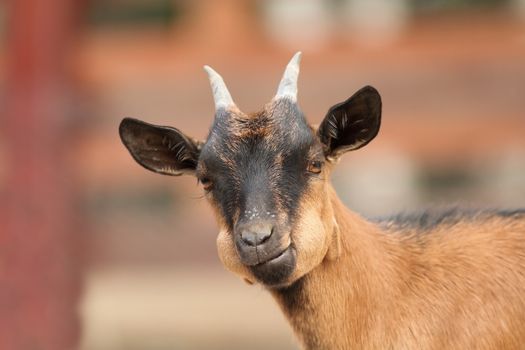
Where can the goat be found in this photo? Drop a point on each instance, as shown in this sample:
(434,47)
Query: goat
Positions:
(435,280)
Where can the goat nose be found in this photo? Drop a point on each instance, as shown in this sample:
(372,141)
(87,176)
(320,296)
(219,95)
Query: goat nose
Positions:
(256,235)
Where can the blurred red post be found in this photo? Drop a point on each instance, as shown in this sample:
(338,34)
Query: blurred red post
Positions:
(39,270)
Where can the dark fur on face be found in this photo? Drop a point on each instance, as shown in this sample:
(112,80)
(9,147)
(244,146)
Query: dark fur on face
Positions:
(265,175)
(256,166)
(258,161)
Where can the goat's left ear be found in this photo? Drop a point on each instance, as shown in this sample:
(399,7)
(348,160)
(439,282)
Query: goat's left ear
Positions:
(161,149)
(351,124)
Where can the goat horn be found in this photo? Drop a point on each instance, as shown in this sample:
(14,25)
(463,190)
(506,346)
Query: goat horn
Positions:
(288,85)
(221,95)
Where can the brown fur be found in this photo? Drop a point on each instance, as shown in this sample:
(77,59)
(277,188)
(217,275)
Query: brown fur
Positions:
(361,285)
(462,287)
(357,284)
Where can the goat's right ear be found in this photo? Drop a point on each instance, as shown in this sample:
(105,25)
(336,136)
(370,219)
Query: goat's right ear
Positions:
(161,149)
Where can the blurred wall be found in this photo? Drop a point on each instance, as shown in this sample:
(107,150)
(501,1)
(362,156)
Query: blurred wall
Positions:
(452,79)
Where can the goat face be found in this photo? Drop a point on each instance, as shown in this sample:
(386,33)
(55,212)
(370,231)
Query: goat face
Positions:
(265,174)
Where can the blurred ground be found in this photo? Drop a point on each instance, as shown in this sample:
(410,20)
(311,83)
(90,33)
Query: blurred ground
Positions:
(192,308)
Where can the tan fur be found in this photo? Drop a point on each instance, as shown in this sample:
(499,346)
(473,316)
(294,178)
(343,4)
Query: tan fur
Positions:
(463,290)
(357,285)
(458,287)
(309,234)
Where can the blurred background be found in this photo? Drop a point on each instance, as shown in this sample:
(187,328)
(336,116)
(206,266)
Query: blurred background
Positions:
(96,253)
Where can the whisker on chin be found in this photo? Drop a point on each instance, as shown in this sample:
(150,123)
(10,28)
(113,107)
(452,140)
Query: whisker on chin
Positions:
(198,197)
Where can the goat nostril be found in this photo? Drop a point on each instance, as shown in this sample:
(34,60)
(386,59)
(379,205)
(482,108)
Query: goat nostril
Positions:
(249,238)
(256,238)
(263,237)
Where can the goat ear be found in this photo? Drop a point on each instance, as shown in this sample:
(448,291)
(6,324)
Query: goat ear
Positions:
(161,149)
(351,124)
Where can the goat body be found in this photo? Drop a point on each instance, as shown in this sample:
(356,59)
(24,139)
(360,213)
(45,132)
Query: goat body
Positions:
(458,284)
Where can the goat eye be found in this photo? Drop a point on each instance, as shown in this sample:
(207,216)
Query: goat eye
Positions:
(315,166)
(206,182)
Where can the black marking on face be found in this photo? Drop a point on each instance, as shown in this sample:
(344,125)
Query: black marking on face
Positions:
(275,272)
(257,169)
(259,162)
(259,165)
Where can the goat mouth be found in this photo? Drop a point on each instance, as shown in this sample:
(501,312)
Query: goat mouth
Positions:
(278,256)
(274,272)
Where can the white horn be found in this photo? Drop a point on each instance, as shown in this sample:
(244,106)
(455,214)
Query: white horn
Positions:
(288,85)
(221,95)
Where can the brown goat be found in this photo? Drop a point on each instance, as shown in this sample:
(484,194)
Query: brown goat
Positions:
(436,280)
